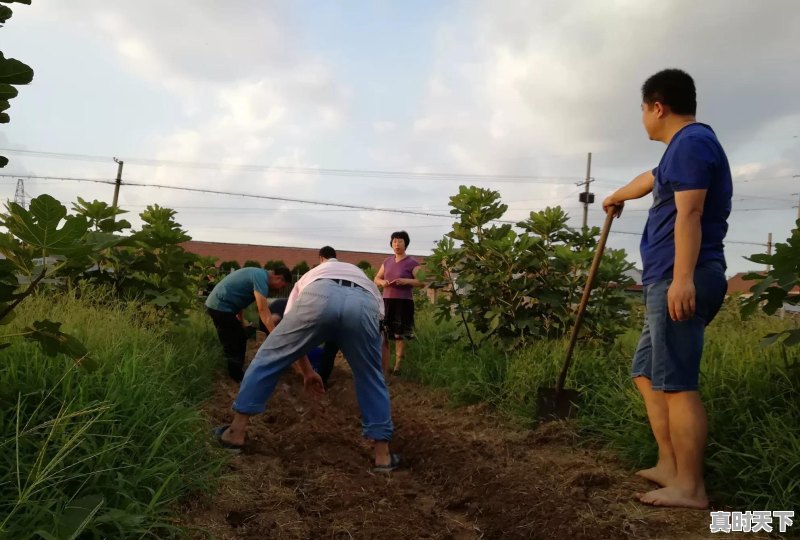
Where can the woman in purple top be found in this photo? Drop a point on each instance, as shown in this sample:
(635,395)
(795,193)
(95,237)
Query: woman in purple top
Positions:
(398,277)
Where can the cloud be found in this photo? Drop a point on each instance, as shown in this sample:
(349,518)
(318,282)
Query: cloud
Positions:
(518,88)
(530,88)
(383,126)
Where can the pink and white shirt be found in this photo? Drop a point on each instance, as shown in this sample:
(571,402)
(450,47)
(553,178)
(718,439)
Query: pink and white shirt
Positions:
(333,269)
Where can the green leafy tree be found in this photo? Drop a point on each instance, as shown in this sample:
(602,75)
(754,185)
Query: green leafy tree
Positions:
(367,268)
(12,72)
(776,288)
(523,281)
(227,267)
(252,264)
(148,265)
(272,265)
(300,268)
(370,272)
(39,242)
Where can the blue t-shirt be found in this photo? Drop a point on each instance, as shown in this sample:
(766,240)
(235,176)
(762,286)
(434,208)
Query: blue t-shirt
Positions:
(694,159)
(235,291)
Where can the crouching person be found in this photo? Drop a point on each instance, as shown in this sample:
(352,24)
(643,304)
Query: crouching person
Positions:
(337,301)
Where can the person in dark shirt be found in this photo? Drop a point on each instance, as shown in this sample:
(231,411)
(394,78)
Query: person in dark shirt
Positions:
(230,297)
(684,281)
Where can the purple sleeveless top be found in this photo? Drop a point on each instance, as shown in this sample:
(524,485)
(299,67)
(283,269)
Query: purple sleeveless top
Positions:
(393,270)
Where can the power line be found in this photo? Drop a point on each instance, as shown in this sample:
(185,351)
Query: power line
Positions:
(766,179)
(250,196)
(305,201)
(726,241)
(323,171)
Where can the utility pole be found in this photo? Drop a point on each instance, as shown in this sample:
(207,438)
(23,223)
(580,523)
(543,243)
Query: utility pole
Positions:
(798,197)
(586,197)
(19,194)
(769,251)
(118,182)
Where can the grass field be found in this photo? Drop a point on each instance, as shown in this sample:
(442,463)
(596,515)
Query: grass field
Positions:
(110,446)
(751,393)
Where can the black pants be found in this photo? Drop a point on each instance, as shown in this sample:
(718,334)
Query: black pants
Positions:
(329,352)
(234,341)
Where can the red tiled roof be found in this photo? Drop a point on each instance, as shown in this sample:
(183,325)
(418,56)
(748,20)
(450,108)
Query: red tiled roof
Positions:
(738,285)
(289,255)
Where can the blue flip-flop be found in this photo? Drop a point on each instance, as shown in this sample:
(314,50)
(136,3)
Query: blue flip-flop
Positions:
(217,434)
(394,463)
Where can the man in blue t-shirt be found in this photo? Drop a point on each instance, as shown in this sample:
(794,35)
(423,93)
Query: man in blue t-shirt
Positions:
(230,297)
(684,280)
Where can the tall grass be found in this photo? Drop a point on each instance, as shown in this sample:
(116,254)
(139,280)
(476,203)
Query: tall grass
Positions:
(105,448)
(752,394)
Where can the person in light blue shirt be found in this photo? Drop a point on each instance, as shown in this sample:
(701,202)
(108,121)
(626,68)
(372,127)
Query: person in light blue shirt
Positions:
(684,280)
(230,297)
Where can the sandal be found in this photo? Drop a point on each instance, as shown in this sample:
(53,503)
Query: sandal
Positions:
(394,463)
(217,434)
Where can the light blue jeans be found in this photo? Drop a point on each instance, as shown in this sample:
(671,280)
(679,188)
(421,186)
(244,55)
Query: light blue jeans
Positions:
(325,311)
(669,351)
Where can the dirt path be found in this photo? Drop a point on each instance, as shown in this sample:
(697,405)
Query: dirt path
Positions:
(466,476)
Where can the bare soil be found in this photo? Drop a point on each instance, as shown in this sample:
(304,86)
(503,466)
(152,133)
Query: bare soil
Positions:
(467,475)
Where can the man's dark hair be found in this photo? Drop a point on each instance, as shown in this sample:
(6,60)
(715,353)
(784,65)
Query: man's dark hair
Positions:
(285,273)
(673,88)
(400,234)
(327,252)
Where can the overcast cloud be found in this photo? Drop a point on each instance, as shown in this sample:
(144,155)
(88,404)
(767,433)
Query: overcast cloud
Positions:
(512,87)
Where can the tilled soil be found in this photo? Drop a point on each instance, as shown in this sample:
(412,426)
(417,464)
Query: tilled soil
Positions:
(466,475)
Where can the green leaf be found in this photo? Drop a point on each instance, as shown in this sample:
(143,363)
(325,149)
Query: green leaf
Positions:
(4,118)
(8,318)
(794,337)
(3,161)
(110,225)
(53,341)
(101,240)
(77,515)
(39,226)
(12,71)
(39,532)
(7,92)
(5,13)
(17,253)
(26,2)
(120,518)
(8,280)
(4,104)
(769,339)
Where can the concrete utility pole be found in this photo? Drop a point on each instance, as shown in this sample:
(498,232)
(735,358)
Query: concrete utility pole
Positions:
(586,197)
(118,182)
(769,250)
(798,197)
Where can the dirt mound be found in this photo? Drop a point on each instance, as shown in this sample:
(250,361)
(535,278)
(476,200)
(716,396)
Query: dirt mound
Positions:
(466,475)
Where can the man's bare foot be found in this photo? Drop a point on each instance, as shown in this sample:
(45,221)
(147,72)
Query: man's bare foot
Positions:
(660,474)
(675,497)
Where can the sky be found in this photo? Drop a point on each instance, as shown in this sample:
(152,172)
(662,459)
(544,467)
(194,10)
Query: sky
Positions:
(297,100)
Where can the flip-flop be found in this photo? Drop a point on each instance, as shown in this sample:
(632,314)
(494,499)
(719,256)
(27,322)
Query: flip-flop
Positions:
(394,463)
(217,434)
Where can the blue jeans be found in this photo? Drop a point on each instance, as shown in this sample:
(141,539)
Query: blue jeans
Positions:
(669,351)
(325,311)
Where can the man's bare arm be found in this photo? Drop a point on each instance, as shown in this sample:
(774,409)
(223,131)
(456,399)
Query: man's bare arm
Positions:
(635,189)
(688,236)
(263,311)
